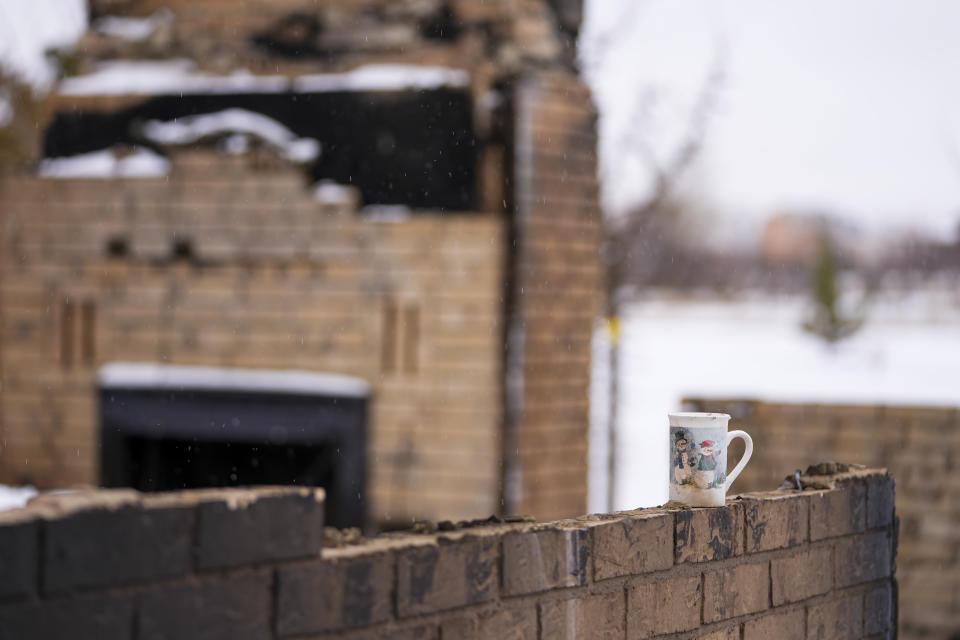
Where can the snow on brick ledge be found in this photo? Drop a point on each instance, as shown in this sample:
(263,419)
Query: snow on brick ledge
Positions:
(136,375)
(176,77)
(106,164)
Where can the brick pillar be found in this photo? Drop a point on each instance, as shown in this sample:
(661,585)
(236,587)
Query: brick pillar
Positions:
(557,284)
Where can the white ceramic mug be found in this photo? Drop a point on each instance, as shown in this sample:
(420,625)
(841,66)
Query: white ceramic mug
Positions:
(698,458)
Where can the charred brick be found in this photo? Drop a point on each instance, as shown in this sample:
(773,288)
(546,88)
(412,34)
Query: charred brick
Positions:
(664,607)
(122,546)
(548,559)
(800,576)
(782,626)
(446,575)
(18,559)
(838,512)
(69,619)
(705,535)
(599,616)
(235,607)
(836,619)
(334,594)
(728,633)
(877,609)
(273,527)
(775,523)
(863,558)
(632,546)
(735,591)
(880,495)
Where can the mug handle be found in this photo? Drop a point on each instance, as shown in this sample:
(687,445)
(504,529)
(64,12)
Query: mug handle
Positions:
(748,451)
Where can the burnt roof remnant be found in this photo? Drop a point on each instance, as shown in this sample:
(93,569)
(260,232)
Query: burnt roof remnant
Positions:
(402,108)
(293,36)
(360,134)
(509,34)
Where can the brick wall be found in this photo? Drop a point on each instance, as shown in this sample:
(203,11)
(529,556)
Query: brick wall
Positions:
(918,444)
(792,564)
(279,280)
(276,280)
(419,308)
(557,268)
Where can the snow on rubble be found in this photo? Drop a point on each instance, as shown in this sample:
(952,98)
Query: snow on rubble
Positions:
(133,29)
(383,77)
(329,192)
(105,164)
(237,121)
(166,77)
(15,497)
(181,76)
(235,125)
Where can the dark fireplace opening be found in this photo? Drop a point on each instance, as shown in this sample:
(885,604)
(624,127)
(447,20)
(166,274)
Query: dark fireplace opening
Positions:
(170,465)
(167,428)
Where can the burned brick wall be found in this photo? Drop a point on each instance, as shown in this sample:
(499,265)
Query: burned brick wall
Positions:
(347,32)
(808,564)
(918,444)
(556,262)
(230,262)
(229,265)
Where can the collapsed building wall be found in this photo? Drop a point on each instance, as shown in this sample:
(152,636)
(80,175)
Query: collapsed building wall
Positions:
(816,563)
(298,34)
(224,266)
(468,308)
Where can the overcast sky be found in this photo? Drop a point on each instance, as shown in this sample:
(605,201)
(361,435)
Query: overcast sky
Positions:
(851,107)
(28,27)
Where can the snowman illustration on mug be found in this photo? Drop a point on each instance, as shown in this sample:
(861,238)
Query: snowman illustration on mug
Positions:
(683,458)
(695,464)
(707,475)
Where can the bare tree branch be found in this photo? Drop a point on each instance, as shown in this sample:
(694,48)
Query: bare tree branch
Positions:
(619,239)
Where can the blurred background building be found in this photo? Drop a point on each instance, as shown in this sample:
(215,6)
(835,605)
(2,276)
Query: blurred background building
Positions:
(222,204)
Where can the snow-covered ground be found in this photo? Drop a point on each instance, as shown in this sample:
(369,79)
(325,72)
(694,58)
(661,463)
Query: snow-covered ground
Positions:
(908,353)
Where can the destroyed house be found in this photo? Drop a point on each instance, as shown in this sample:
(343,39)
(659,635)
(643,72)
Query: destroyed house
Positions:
(348,244)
